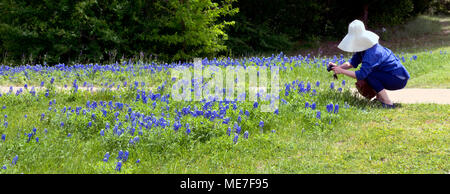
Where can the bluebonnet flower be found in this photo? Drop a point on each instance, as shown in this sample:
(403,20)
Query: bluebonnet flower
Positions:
(318,114)
(14,160)
(336,108)
(120,156)
(343,82)
(318,83)
(45,131)
(119,166)
(29,135)
(235,139)
(42,116)
(313,106)
(125,156)
(229,131)
(273,131)
(106,157)
(37,139)
(5,124)
(276,111)
(25,86)
(329,108)
(62,124)
(188,130)
(332,85)
(226,120)
(102,132)
(138,161)
(255,105)
(90,124)
(69,135)
(246,135)
(247,113)
(42,83)
(3,137)
(176,125)
(52,80)
(339,89)
(261,124)
(239,119)
(75,85)
(4,167)
(237,128)
(306,104)
(136,139)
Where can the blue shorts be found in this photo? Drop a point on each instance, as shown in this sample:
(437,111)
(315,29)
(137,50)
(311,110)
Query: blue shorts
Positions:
(382,80)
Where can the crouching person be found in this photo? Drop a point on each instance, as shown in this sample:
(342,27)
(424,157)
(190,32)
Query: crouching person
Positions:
(380,69)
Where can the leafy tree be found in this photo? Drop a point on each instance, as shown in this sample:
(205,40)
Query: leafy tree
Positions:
(101,30)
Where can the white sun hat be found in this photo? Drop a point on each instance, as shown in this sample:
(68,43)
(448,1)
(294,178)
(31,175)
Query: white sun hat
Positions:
(358,38)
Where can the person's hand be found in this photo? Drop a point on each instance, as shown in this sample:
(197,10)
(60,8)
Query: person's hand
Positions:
(332,64)
(337,69)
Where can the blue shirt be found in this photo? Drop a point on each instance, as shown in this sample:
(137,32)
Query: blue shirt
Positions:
(378,58)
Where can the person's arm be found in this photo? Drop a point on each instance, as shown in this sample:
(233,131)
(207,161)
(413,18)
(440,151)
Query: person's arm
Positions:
(341,70)
(346,65)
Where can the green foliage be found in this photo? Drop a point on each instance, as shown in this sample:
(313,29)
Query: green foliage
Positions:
(101,31)
(440,7)
(268,25)
(85,31)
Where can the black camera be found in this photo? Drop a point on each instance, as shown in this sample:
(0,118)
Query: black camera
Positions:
(329,68)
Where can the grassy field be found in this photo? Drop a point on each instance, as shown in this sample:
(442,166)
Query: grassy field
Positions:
(360,138)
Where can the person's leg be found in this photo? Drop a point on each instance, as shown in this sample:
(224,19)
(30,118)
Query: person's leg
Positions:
(383,97)
(380,81)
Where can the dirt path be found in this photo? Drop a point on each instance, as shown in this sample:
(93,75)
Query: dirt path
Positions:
(408,96)
(6,89)
(419,95)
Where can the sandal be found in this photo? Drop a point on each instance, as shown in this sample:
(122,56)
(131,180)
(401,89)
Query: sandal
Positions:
(388,106)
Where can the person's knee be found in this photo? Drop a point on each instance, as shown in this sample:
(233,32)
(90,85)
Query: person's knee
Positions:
(374,83)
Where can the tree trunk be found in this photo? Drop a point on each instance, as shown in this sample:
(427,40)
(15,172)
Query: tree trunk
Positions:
(365,13)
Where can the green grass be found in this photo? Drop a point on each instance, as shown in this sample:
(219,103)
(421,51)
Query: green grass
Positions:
(431,71)
(365,139)
(362,138)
